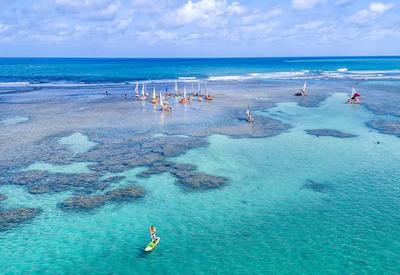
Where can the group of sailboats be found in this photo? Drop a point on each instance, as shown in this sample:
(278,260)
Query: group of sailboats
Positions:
(185,99)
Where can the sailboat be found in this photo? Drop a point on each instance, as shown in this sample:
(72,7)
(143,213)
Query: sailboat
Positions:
(199,96)
(164,105)
(176,88)
(184,100)
(143,96)
(303,91)
(155,99)
(249,116)
(137,89)
(354,97)
(207,96)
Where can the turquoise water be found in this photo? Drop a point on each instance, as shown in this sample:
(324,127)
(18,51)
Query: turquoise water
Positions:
(264,221)
(293,203)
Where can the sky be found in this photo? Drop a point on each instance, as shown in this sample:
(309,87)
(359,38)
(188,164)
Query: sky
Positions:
(198,28)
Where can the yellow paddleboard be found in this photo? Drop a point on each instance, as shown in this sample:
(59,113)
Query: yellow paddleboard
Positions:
(152,245)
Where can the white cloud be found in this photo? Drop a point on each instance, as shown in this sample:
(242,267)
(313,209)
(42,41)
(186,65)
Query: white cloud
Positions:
(373,11)
(305,4)
(380,7)
(257,16)
(4,27)
(206,10)
(91,9)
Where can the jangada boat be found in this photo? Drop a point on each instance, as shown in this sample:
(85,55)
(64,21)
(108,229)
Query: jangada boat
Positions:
(303,91)
(249,116)
(164,105)
(137,89)
(184,100)
(143,96)
(355,97)
(155,99)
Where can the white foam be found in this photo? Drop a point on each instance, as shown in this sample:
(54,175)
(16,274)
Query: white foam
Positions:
(343,70)
(229,78)
(14,84)
(187,78)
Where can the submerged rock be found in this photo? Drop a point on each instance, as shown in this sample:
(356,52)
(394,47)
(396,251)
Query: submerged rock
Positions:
(329,133)
(3,197)
(316,186)
(125,193)
(13,217)
(114,179)
(201,181)
(390,127)
(186,174)
(176,169)
(91,202)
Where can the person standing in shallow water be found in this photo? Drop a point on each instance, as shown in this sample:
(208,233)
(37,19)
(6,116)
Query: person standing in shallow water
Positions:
(153,233)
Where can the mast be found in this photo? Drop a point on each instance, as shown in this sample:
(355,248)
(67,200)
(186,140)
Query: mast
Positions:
(161,100)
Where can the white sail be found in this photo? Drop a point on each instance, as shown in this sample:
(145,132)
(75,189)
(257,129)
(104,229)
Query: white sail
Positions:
(143,88)
(305,86)
(137,88)
(161,100)
(192,87)
(248,111)
(176,87)
(184,92)
(199,88)
(154,92)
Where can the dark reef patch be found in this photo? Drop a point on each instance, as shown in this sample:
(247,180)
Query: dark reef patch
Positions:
(91,202)
(329,133)
(13,217)
(202,181)
(114,179)
(3,197)
(176,169)
(316,186)
(40,182)
(390,127)
(186,175)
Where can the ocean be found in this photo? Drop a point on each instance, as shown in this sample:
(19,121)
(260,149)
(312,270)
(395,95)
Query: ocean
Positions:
(311,187)
(111,70)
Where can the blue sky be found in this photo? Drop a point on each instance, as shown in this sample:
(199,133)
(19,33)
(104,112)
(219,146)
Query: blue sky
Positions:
(198,28)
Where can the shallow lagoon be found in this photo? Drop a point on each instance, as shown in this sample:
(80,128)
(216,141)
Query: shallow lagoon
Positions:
(293,202)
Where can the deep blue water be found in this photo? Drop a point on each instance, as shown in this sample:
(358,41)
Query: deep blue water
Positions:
(100,70)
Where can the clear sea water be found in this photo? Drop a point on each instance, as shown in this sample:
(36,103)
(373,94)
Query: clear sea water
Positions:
(267,220)
(96,70)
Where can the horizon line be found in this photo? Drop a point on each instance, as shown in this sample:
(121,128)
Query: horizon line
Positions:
(204,57)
